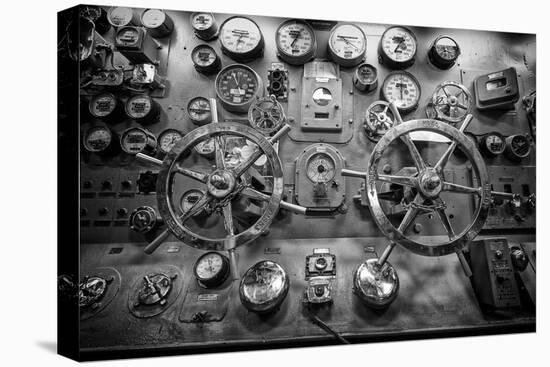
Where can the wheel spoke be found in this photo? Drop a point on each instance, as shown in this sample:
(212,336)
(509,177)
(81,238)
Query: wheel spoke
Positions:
(408,218)
(228,219)
(452,187)
(220,153)
(254,194)
(460,105)
(415,154)
(196,208)
(444,219)
(445,91)
(199,176)
(244,166)
(442,162)
(459,93)
(398,180)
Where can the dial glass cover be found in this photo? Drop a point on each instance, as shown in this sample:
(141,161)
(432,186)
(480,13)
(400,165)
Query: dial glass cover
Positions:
(209,266)
(169,138)
(295,38)
(134,140)
(206,147)
(446,48)
(97,139)
(320,168)
(366,73)
(203,56)
(399,44)
(495,143)
(237,84)
(403,89)
(138,106)
(153,18)
(240,35)
(199,109)
(348,41)
(202,21)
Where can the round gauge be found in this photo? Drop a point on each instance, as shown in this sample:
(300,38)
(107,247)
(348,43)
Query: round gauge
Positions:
(517,147)
(397,47)
(97,139)
(320,168)
(157,22)
(121,16)
(347,44)
(376,286)
(492,144)
(241,39)
(91,290)
(365,78)
(189,198)
(167,139)
(444,52)
(204,25)
(402,88)
(237,86)
(205,59)
(142,108)
(128,36)
(378,120)
(143,219)
(138,140)
(296,42)
(211,269)
(206,148)
(264,286)
(198,110)
(103,105)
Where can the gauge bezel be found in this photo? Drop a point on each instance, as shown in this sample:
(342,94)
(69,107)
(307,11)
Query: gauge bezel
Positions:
(360,84)
(439,61)
(347,63)
(193,120)
(211,68)
(161,136)
(413,78)
(150,145)
(326,156)
(385,59)
(247,56)
(218,278)
(239,107)
(292,59)
(206,34)
(87,133)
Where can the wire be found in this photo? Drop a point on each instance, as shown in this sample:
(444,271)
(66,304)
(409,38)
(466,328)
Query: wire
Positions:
(325,327)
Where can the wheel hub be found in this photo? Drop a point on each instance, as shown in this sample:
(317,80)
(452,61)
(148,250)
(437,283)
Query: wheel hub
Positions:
(220,183)
(452,100)
(430,183)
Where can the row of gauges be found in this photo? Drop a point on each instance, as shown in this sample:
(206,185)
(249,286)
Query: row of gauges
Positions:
(241,39)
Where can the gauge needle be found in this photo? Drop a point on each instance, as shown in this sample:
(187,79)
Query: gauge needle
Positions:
(348,42)
(401,88)
(236,81)
(295,38)
(399,45)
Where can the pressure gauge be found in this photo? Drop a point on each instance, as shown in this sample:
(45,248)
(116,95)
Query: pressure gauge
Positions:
(347,44)
(378,120)
(143,219)
(237,86)
(320,168)
(377,286)
(397,48)
(167,139)
(190,198)
(143,109)
(138,140)
(402,88)
(103,105)
(205,59)
(264,286)
(211,269)
(157,22)
(444,52)
(206,148)
(365,78)
(492,144)
(204,26)
(199,112)
(98,139)
(517,147)
(296,43)
(120,16)
(241,39)
(91,290)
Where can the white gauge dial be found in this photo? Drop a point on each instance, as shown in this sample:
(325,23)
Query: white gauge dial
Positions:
(321,168)
(199,110)
(206,148)
(97,139)
(168,138)
(295,42)
(208,266)
(202,21)
(347,44)
(241,38)
(403,89)
(398,46)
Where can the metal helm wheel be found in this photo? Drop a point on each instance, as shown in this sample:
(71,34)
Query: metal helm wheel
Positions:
(378,120)
(451,101)
(266,115)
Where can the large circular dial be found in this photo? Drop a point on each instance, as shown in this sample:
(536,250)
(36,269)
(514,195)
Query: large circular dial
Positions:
(397,47)
(347,45)
(211,269)
(402,88)
(237,86)
(198,110)
(296,42)
(241,39)
(97,139)
(167,139)
(320,168)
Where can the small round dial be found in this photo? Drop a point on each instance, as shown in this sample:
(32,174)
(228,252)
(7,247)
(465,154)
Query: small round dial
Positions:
(398,47)
(320,168)
(138,140)
(198,110)
(402,88)
(517,147)
(205,59)
(167,139)
(206,148)
(444,52)
(264,286)
(237,86)
(241,39)
(103,105)
(347,44)
(190,198)
(492,144)
(143,219)
(211,269)
(296,42)
(365,78)
(204,25)
(121,16)
(97,139)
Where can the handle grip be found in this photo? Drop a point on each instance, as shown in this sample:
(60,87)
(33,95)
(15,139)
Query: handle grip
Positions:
(150,248)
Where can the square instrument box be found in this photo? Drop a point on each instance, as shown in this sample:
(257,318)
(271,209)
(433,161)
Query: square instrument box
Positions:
(232,182)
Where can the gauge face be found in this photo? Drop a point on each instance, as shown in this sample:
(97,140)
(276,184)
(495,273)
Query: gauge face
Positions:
(403,89)
(127,35)
(446,48)
(206,148)
(263,287)
(320,168)
(366,74)
(102,105)
(153,18)
(240,36)
(494,143)
(189,198)
(120,16)
(398,44)
(199,110)
(520,145)
(295,41)
(97,139)
(211,269)
(202,21)
(347,43)
(237,85)
(205,59)
(168,138)
(134,140)
(138,106)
